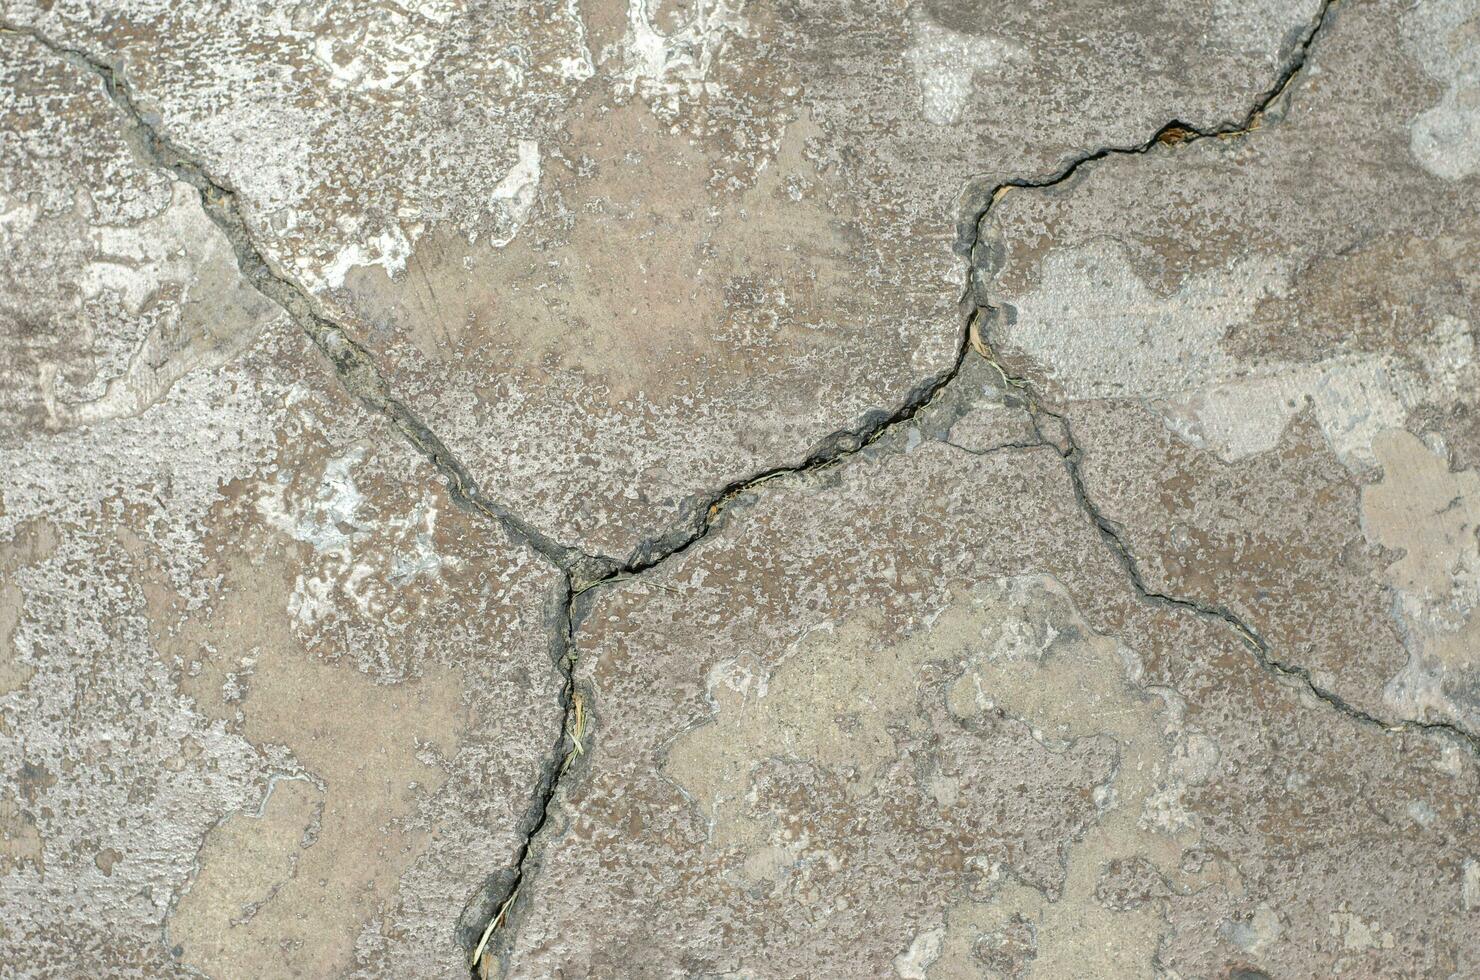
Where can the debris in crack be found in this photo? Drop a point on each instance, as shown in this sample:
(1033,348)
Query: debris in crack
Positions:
(972,686)
(570,745)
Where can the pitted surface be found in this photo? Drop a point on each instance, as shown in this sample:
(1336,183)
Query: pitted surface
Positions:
(729,489)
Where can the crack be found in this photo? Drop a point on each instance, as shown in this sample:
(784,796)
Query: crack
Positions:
(1261,649)
(569,746)
(351,362)
(851,441)
(357,372)
(582,571)
(1000,447)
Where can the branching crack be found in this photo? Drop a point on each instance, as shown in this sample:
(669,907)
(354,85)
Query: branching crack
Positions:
(1179,134)
(582,571)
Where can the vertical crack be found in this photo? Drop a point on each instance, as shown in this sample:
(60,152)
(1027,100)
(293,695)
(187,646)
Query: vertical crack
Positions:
(570,744)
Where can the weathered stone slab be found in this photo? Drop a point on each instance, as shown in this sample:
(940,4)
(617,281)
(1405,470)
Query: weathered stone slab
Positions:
(270,705)
(619,255)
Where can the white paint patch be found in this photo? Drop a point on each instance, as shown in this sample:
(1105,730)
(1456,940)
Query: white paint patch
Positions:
(329,523)
(177,250)
(1103,333)
(1262,930)
(1359,934)
(1445,39)
(423,559)
(946,64)
(913,963)
(389,250)
(515,194)
(1431,517)
(370,48)
(361,561)
(1353,399)
(1100,332)
(510,203)
(133,261)
(1421,813)
(666,67)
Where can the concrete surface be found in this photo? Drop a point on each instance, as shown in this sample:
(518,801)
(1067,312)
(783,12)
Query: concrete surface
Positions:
(649,488)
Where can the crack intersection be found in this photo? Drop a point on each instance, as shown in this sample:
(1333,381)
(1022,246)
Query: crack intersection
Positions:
(582,571)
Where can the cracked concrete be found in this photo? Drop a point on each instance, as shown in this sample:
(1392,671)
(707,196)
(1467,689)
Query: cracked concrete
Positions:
(633,489)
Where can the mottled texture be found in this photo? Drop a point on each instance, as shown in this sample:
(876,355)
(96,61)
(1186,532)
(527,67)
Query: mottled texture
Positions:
(621,253)
(270,704)
(606,488)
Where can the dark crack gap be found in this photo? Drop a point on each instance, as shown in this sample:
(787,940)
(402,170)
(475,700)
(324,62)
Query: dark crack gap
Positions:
(351,362)
(486,938)
(354,367)
(849,441)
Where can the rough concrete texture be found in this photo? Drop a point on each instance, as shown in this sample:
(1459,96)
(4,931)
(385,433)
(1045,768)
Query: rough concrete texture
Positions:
(620,254)
(636,488)
(270,704)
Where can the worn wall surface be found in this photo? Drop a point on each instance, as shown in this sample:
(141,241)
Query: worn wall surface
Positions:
(739,488)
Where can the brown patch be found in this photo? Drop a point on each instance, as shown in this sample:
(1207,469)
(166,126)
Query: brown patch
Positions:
(34,542)
(287,891)
(634,270)
(20,841)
